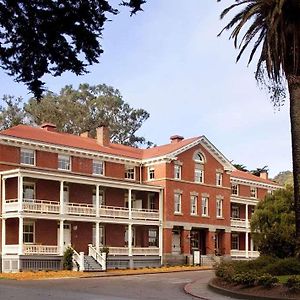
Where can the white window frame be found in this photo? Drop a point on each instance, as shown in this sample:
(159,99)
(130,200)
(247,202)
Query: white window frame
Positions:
(177,171)
(129,173)
(98,165)
(199,173)
(253,192)
(63,159)
(204,208)
(151,173)
(177,204)
(219,179)
(27,154)
(151,201)
(234,189)
(194,205)
(153,237)
(26,223)
(219,208)
(237,242)
(235,211)
(29,184)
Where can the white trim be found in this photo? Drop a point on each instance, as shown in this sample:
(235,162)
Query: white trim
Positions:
(254,183)
(28,150)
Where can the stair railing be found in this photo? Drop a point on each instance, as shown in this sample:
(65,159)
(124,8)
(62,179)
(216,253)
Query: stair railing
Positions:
(100,257)
(78,259)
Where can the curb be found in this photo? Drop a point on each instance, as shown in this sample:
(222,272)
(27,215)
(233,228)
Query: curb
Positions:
(188,290)
(222,291)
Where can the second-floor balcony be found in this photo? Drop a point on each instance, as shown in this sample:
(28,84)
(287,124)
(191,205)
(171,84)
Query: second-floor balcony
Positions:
(239,223)
(78,209)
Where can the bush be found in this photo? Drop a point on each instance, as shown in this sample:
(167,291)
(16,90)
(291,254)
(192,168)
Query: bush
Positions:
(246,279)
(68,259)
(225,270)
(287,266)
(267,280)
(293,283)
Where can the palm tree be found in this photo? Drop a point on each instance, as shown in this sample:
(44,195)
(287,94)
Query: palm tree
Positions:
(272,27)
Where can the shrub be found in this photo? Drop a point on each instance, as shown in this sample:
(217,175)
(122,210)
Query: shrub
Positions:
(104,249)
(225,271)
(293,283)
(267,280)
(68,259)
(246,279)
(287,266)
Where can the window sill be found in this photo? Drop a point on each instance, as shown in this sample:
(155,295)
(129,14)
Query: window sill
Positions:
(98,175)
(24,164)
(194,215)
(220,218)
(205,216)
(64,170)
(178,214)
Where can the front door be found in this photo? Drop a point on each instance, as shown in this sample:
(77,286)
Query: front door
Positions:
(67,236)
(176,248)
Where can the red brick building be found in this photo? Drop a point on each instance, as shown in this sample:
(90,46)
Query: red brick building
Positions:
(59,189)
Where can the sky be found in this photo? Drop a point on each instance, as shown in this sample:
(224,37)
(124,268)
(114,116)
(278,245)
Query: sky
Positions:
(169,61)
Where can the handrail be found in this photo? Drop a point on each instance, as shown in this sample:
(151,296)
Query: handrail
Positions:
(100,258)
(78,259)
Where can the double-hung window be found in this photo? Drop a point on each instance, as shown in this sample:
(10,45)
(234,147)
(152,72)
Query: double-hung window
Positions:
(177,171)
(199,173)
(98,167)
(205,206)
(253,192)
(234,189)
(151,173)
(235,241)
(194,201)
(235,212)
(153,237)
(219,207)
(64,162)
(27,157)
(177,203)
(129,172)
(28,232)
(219,179)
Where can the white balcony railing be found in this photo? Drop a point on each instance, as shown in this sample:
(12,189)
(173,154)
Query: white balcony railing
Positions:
(242,253)
(10,249)
(118,251)
(40,250)
(79,209)
(239,223)
(146,251)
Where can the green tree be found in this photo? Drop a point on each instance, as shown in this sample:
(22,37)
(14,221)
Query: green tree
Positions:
(241,167)
(273,224)
(257,171)
(274,30)
(41,37)
(88,107)
(12,112)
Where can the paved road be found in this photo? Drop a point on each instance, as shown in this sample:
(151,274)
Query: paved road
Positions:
(150,287)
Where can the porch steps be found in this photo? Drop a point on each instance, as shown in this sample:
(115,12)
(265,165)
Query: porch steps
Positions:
(91,265)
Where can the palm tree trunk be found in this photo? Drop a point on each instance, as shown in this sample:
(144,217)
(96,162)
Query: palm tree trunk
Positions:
(294,90)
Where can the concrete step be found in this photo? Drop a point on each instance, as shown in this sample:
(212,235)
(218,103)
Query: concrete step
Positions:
(91,265)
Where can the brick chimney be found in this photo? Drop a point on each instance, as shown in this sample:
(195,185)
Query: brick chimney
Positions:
(102,136)
(176,138)
(49,127)
(264,174)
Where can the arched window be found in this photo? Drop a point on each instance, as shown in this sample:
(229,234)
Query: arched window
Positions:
(199,160)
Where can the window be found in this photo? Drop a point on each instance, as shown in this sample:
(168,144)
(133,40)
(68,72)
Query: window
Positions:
(101,235)
(64,162)
(151,173)
(235,212)
(98,167)
(219,207)
(153,238)
(234,189)
(204,206)
(195,241)
(151,201)
(194,200)
(27,157)
(199,174)
(219,178)
(126,236)
(28,191)
(28,233)
(199,167)
(129,172)
(177,171)
(235,242)
(177,203)
(253,192)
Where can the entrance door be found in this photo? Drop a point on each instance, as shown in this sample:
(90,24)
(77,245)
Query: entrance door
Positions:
(67,236)
(176,248)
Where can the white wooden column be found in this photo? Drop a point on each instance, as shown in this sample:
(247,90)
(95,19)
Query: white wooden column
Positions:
(21,223)
(61,198)
(97,238)
(130,239)
(247,232)
(129,204)
(3,235)
(61,237)
(20,192)
(160,231)
(97,204)
(160,240)
(3,194)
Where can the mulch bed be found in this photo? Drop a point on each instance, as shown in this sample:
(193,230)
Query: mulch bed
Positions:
(276,292)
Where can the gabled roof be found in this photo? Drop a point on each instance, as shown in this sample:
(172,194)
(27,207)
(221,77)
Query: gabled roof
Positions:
(249,176)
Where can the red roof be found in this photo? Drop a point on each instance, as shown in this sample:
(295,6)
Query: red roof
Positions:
(74,141)
(251,177)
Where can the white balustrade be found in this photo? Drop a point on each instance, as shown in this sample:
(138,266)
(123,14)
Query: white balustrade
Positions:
(40,206)
(11,205)
(239,223)
(147,251)
(242,253)
(145,214)
(79,209)
(98,257)
(114,212)
(40,250)
(10,249)
(118,251)
(78,259)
